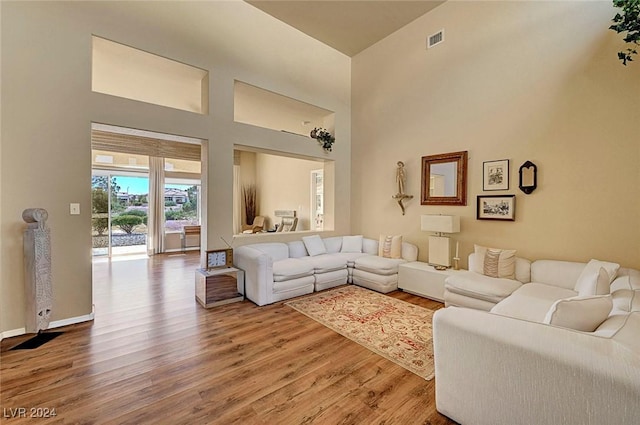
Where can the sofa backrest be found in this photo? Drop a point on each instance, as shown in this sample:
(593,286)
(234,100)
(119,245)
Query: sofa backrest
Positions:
(409,250)
(626,279)
(523,267)
(297,249)
(563,274)
(333,244)
(277,250)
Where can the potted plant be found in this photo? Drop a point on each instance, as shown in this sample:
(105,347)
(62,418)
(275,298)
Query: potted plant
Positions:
(628,22)
(323,137)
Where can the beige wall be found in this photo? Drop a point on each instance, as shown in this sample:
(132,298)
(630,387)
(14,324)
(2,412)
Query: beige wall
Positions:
(285,184)
(48,108)
(535,81)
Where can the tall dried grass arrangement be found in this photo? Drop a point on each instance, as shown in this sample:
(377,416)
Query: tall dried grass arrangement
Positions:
(249,194)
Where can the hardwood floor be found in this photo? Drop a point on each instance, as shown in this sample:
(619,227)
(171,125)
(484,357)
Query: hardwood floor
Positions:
(153,355)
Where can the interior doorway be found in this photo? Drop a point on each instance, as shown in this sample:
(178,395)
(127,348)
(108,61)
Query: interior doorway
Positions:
(146,189)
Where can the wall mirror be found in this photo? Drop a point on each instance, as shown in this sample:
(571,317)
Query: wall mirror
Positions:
(444,179)
(528,177)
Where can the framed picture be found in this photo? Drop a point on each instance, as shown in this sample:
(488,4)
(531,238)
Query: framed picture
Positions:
(496,207)
(496,175)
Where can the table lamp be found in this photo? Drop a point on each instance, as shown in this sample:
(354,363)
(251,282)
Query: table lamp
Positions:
(440,245)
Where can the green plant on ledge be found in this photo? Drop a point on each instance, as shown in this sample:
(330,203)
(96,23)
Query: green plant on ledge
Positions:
(324,137)
(627,21)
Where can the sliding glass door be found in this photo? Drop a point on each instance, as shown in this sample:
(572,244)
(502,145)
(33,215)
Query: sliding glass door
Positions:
(119,213)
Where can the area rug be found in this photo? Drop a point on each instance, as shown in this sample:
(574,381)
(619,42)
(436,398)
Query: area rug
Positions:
(394,329)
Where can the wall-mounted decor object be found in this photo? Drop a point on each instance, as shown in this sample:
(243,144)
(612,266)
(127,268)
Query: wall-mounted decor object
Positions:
(401,179)
(439,244)
(528,177)
(495,175)
(496,207)
(444,179)
(37,270)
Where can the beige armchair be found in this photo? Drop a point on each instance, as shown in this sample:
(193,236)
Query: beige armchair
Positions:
(288,224)
(255,227)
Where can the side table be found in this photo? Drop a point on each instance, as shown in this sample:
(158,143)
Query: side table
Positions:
(219,287)
(421,279)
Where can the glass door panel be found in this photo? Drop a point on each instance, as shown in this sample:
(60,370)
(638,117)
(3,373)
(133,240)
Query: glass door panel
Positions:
(100,202)
(128,214)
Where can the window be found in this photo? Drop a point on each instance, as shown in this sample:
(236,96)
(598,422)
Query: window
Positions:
(181,204)
(123,71)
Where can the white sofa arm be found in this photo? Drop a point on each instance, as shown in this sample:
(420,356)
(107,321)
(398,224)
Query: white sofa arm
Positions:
(258,273)
(497,370)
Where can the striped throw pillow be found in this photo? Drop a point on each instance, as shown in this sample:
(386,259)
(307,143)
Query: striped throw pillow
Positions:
(496,262)
(390,246)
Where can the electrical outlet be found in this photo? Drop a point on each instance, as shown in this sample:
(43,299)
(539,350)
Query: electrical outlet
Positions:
(74,209)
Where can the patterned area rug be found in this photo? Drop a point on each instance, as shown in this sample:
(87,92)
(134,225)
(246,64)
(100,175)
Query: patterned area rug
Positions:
(394,329)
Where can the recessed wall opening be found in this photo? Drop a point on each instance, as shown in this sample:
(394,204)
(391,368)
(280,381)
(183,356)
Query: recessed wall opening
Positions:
(145,190)
(263,108)
(291,193)
(124,71)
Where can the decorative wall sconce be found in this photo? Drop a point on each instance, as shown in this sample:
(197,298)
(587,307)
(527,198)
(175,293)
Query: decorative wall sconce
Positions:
(528,177)
(401,179)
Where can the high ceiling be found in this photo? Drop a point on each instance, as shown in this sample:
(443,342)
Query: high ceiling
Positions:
(348,26)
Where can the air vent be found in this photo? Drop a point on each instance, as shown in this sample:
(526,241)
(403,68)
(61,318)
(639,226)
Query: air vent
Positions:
(435,39)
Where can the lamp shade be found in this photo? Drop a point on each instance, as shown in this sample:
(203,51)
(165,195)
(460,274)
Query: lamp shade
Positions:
(440,223)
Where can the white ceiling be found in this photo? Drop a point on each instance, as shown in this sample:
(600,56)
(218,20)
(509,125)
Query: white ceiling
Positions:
(349,26)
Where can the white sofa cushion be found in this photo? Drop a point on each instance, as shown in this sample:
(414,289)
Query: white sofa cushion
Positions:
(291,268)
(326,263)
(495,262)
(314,245)
(531,301)
(627,335)
(351,244)
(350,257)
(298,286)
(580,313)
(588,282)
(378,265)
(482,287)
(624,300)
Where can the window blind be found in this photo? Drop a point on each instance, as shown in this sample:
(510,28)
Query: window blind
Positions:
(142,145)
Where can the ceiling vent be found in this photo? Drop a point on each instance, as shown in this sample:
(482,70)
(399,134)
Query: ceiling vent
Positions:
(435,39)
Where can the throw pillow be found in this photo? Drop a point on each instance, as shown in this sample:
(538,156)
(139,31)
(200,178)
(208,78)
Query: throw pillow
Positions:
(351,244)
(588,282)
(390,246)
(314,244)
(580,313)
(494,262)
(597,283)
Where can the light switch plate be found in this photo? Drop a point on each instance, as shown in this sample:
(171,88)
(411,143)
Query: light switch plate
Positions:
(74,209)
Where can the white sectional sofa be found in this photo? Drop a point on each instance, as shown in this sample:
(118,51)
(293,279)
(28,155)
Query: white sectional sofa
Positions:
(277,271)
(524,361)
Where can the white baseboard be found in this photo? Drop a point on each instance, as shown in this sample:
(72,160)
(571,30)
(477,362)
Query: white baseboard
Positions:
(12,333)
(54,324)
(193,248)
(71,321)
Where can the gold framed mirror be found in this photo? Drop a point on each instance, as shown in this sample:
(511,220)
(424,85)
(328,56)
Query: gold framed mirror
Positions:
(444,179)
